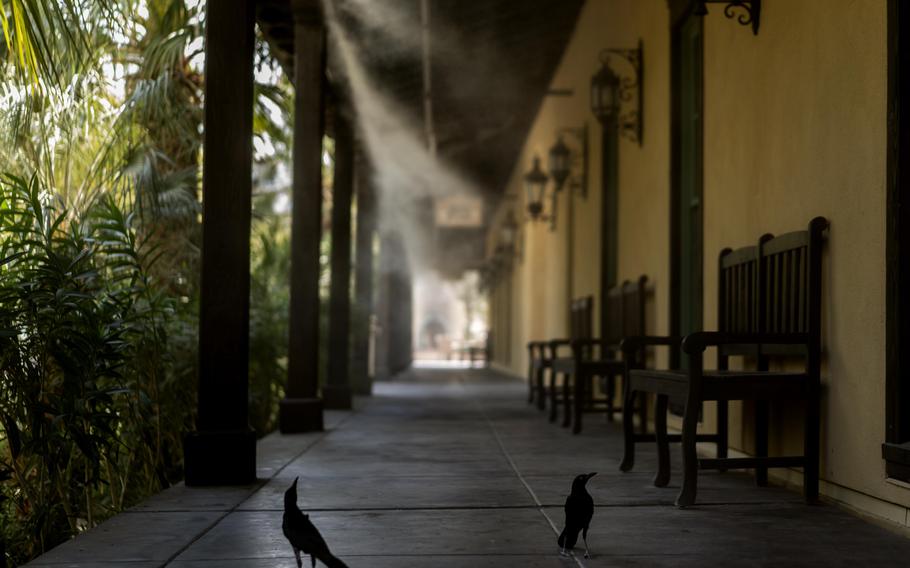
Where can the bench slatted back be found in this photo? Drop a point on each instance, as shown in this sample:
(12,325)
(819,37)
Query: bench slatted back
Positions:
(612,332)
(773,287)
(738,291)
(633,309)
(581,318)
(791,289)
(625,316)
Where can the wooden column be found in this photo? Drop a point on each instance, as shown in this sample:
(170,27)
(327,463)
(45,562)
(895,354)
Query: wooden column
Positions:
(361,382)
(337,391)
(222,450)
(301,409)
(402,340)
(383,279)
(398,298)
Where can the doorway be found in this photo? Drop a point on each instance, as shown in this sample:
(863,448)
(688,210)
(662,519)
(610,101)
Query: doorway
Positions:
(609,215)
(896,449)
(687,207)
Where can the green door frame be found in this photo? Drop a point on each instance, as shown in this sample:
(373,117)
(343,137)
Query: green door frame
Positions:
(686,262)
(896,448)
(609,249)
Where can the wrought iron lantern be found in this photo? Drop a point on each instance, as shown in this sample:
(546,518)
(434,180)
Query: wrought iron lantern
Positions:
(535,186)
(746,12)
(610,92)
(605,85)
(560,163)
(562,160)
(507,232)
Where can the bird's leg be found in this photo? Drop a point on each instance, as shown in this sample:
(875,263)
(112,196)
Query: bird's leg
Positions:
(584,536)
(563,551)
(297,556)
(313,558)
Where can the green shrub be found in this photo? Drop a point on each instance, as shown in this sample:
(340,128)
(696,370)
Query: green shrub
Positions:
(91,411)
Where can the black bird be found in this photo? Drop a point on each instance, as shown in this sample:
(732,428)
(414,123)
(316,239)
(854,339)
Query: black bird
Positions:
(302,534)
(579,510)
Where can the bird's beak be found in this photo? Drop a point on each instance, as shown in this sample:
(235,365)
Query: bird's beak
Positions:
(294,485)
(590,475)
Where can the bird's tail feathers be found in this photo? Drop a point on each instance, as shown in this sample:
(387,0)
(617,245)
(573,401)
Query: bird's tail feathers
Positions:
(568,538)
(332,561)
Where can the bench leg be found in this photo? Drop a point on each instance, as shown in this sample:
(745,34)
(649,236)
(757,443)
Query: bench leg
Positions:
(722,429)
(663,444)
(686,495)
(531,377)
(811,447)
(581,387)
(541,390)
(761,440)
(554,406)
(610,381)
(628,427)
(643,412)
(566,400)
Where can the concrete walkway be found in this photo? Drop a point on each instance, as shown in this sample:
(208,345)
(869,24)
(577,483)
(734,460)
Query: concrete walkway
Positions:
(453,468)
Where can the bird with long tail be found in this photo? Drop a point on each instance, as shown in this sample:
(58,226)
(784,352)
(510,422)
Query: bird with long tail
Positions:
(579,511)
(303,535)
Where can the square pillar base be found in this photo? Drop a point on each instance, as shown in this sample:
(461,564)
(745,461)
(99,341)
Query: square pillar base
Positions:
(298,415)
(220,457)
(364,389)
(338,397)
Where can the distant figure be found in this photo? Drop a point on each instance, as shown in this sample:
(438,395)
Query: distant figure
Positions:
(579,510)
(302,535)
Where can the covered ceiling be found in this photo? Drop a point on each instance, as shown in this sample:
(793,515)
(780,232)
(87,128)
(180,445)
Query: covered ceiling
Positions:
(490,62)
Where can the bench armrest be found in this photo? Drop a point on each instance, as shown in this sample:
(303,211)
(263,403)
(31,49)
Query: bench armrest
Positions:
(700,340)
(593,342)
(634,343)
(555,344)
(579,344)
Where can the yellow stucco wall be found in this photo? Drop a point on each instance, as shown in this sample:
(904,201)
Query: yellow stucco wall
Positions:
(539,275)
(794,127)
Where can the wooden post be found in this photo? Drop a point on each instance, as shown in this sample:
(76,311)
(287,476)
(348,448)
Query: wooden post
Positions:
(382,310)
(222,450)
(301,409)
(337,391)
(361,382)
(399,304)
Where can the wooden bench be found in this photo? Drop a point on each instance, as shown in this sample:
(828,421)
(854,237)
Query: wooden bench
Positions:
(769,305)
(581,314)
(601,357)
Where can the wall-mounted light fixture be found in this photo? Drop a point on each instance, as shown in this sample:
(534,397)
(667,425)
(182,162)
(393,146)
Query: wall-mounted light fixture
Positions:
(609,91)
(488,275)
(506,250)
(561,160)
(746,12)
(508,231)
(536,188)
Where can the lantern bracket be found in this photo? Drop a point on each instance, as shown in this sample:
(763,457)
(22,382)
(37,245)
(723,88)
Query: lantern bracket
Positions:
(631,123)
(580,183)
(746,12)
(536,207)
(508,234)
(539,215)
